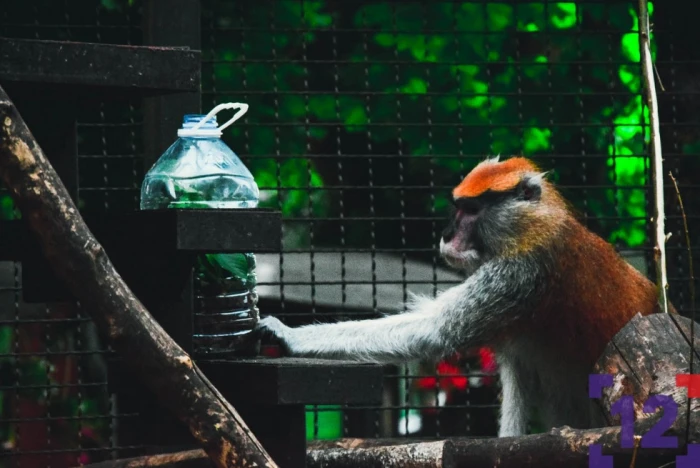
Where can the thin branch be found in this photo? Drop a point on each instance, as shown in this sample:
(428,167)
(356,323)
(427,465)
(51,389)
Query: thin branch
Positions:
(658,77)
(657,160)
(656,69)
(692,285)
(637,440)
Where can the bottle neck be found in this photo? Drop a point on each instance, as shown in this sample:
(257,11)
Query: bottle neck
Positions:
(199,137)
(194,127)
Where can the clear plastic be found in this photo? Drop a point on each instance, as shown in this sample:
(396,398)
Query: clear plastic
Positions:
(202,172)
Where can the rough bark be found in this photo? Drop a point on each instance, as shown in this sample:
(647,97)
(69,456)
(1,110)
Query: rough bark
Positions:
(372,453)
(80,260)
(644,359)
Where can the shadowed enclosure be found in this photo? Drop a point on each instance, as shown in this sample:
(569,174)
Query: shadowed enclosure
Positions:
(363,117)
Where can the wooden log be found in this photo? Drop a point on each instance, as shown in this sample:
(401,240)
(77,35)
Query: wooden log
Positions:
(372,453)
(80,260)
(644,359)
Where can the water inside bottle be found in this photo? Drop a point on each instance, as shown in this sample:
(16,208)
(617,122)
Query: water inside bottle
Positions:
(206,192)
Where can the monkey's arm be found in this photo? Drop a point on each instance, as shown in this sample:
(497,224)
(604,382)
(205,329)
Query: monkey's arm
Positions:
(464,316)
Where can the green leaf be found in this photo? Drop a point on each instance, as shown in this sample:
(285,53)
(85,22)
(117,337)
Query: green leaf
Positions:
(236,265)
(384,39)
(564,16)
(8,210)
(500,16)
(536,139)
(5,339)
(415,86)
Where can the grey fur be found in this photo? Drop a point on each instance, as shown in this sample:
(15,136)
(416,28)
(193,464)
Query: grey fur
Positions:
(465,316)
(477,312)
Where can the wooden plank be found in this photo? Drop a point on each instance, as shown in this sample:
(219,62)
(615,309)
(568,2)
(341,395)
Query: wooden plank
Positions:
(99,65)
(290,381)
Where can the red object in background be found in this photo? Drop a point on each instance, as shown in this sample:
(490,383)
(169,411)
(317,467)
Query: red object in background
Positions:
(454,379)
(35,434)
(692,381)
(270,351)
(488,365)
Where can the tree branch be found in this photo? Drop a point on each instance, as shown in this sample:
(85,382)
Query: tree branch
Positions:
(80,260)
(656,156)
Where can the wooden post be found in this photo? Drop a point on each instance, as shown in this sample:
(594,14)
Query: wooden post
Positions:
(644,359)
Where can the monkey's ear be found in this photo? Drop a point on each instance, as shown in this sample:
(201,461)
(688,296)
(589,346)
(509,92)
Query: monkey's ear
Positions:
(530,188)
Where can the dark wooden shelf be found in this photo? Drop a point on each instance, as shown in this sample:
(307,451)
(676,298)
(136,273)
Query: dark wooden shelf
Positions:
(295,381)
(195,231)
(144,70)
(184,230)
(153,250)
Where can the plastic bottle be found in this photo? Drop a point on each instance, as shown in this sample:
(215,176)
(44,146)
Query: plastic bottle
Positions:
(200,171)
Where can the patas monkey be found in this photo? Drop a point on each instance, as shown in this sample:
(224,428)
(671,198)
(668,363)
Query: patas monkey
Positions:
(542,291)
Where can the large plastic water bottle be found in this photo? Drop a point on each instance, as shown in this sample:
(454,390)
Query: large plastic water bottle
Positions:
(200,171)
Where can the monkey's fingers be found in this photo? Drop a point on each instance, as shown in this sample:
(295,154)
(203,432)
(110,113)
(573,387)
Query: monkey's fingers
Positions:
(272,328)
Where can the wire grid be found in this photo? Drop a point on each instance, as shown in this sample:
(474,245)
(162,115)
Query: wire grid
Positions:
(364,115)
(55,406)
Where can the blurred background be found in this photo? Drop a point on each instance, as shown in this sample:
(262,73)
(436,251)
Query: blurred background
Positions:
(363,116)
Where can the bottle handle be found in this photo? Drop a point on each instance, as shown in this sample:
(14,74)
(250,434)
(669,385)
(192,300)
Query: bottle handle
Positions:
(242,109)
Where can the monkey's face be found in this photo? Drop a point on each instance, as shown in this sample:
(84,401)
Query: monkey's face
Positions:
(489,224)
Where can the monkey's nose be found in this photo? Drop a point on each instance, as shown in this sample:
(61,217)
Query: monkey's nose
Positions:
(448,234)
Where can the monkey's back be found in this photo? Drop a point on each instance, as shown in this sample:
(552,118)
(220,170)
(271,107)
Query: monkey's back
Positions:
(592,293)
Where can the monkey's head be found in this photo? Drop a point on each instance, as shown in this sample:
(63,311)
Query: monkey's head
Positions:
(500,209)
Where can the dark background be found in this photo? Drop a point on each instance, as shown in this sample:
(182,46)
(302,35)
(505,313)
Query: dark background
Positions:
(363,116)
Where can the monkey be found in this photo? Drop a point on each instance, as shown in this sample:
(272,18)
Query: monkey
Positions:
(542,291)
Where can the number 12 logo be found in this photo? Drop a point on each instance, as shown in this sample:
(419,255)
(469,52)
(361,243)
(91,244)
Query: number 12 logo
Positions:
(624,407)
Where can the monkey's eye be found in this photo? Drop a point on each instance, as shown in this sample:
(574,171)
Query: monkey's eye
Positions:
(529,191)
(468,206)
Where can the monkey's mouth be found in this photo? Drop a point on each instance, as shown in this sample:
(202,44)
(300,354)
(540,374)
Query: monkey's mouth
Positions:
(459,258)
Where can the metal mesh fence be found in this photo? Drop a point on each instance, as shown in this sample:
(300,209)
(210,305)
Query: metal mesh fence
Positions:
(363,116)
(55,405)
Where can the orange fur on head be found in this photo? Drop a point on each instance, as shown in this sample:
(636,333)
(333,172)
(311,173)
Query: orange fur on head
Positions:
(492,175)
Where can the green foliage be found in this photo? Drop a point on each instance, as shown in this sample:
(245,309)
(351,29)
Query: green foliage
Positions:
(628,163)
(478,69)
(5,340)
(8,210)
(117,5)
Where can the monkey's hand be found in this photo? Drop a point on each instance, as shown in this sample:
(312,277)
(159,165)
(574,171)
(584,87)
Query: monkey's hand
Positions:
(272,326)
